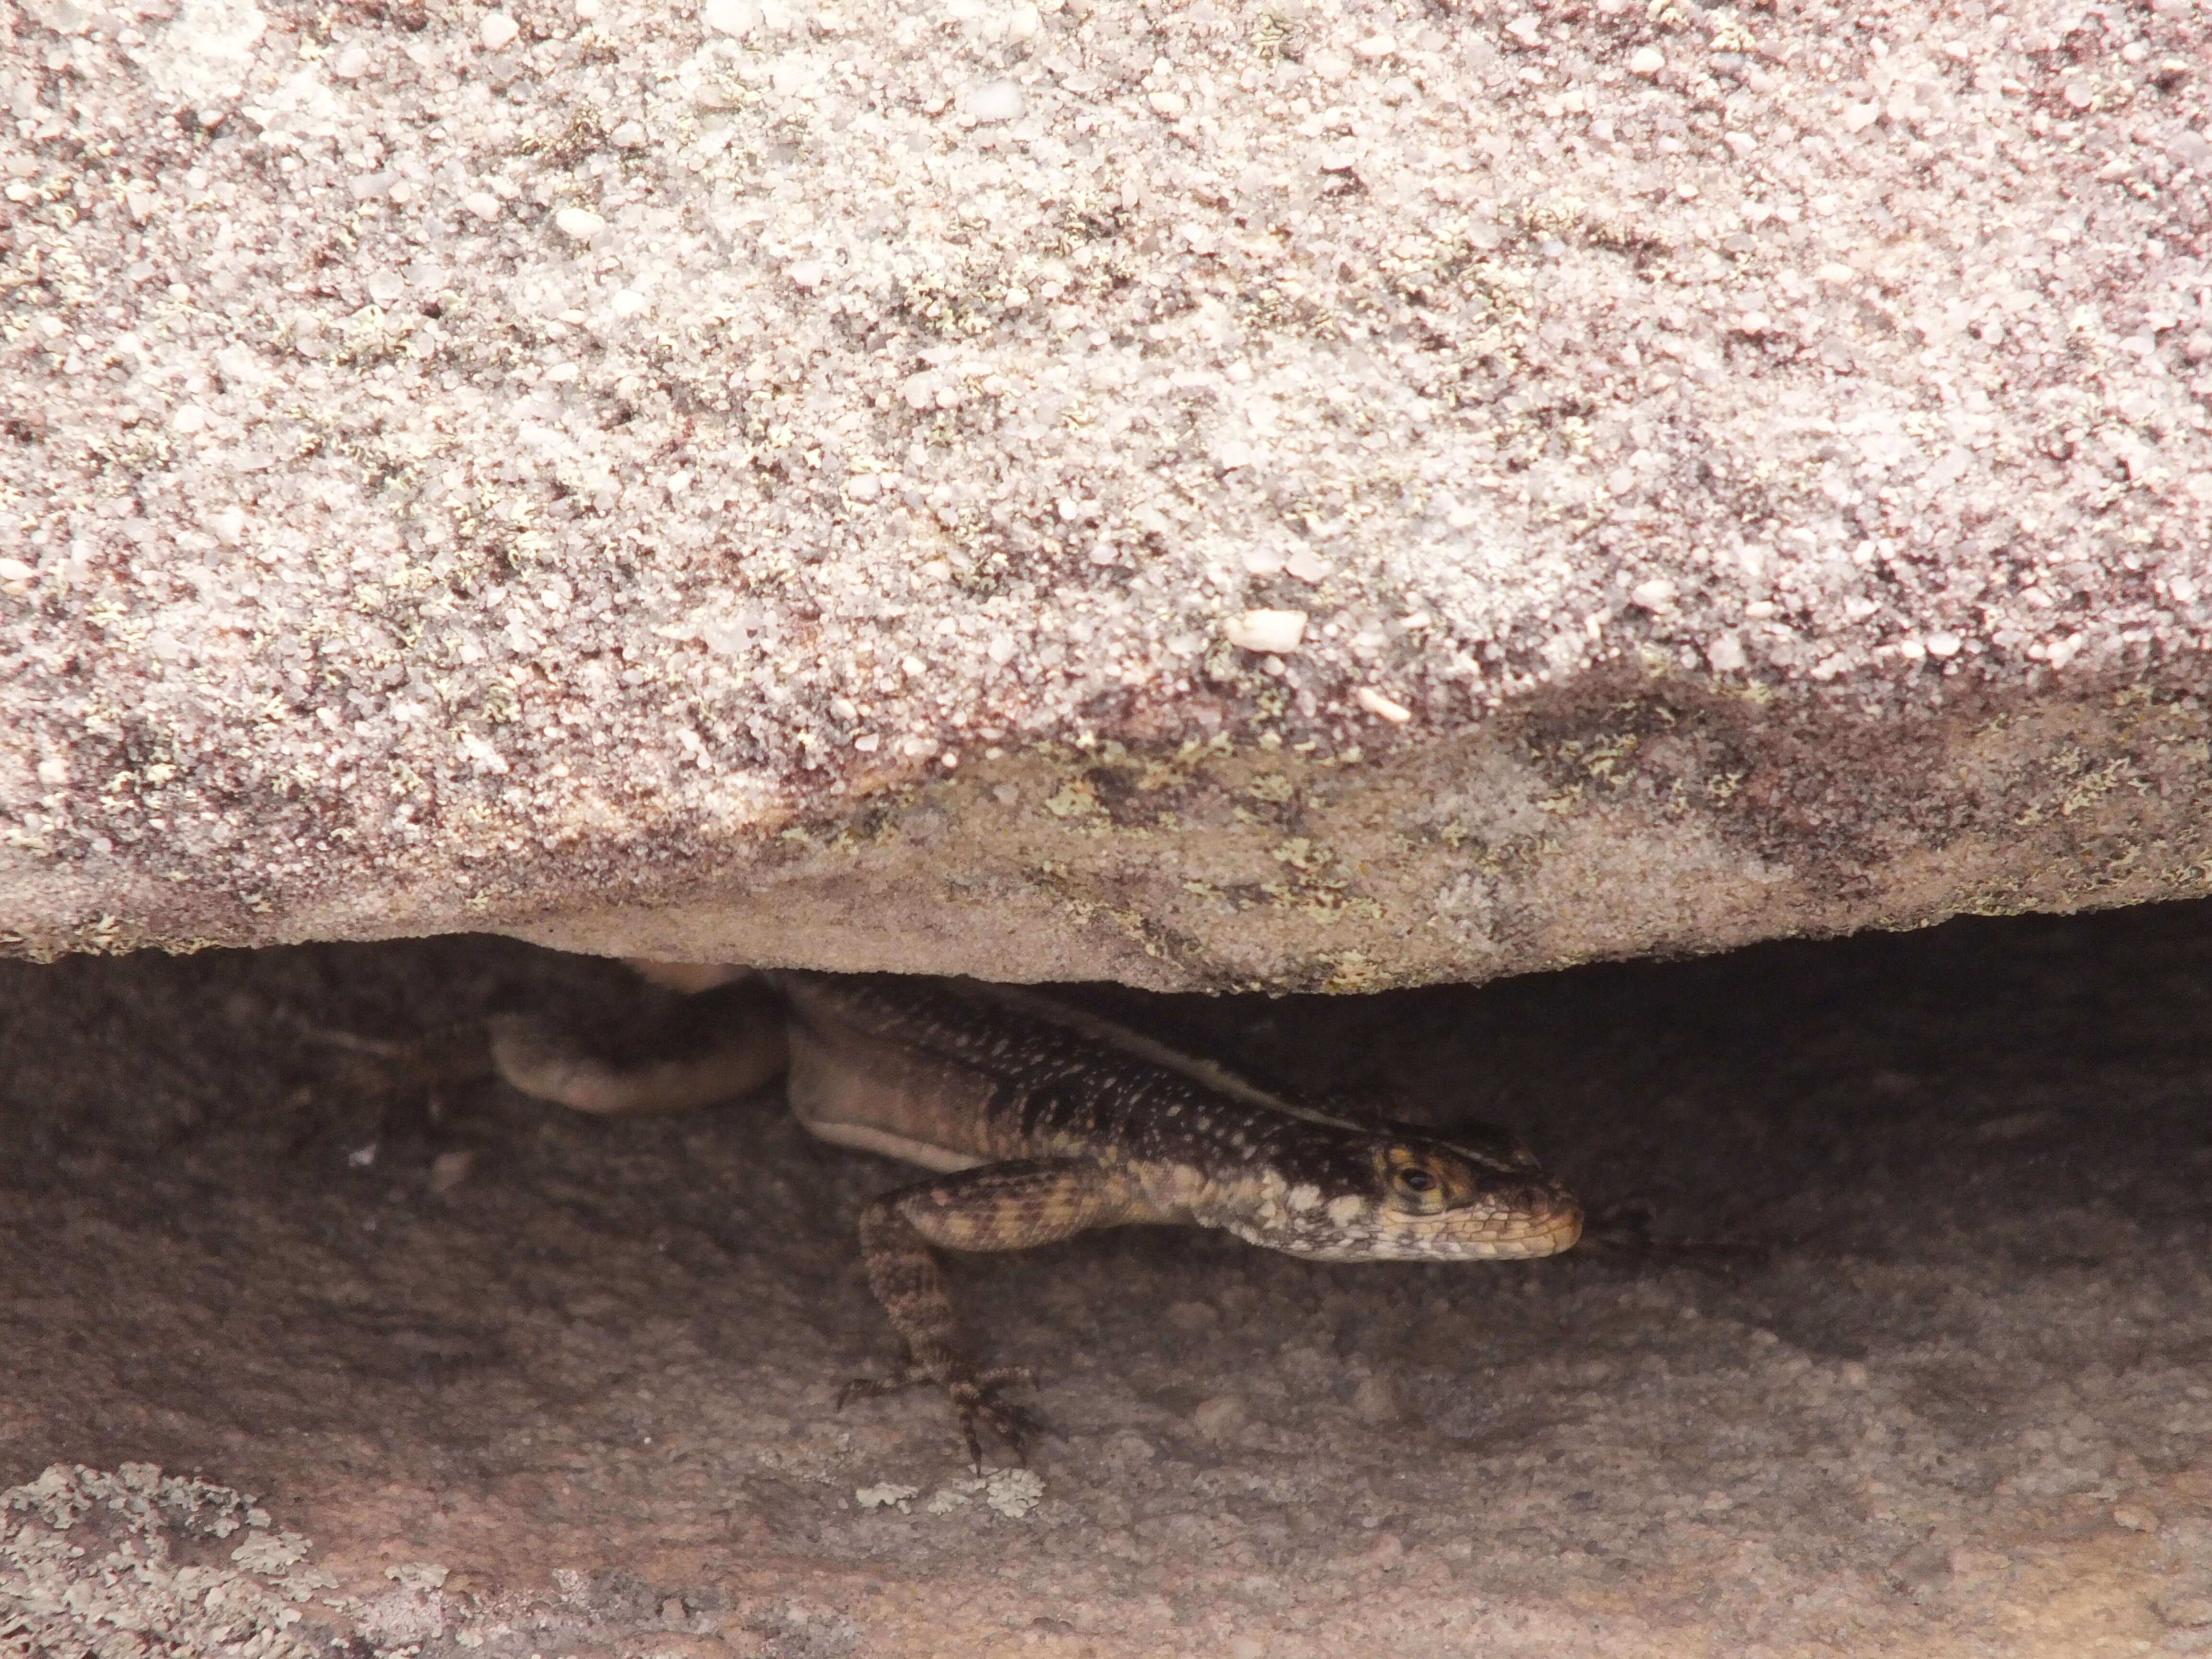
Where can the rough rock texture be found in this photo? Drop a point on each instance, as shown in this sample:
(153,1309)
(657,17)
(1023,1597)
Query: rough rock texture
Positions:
(1332,493)
(1913,1363)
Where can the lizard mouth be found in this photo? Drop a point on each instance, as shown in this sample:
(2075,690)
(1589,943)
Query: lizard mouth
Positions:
(1545,1222)
(1512,1227)
(1564,1228)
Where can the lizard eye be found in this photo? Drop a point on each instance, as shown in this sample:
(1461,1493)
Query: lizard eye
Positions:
(1417,1182)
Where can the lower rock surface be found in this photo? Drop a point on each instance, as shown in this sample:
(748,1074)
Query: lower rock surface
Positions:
(1887,1336)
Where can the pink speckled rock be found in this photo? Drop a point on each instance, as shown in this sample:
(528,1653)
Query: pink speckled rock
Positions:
(792,482)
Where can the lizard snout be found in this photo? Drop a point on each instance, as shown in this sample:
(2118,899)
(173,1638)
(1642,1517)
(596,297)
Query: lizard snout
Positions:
(1548,1220)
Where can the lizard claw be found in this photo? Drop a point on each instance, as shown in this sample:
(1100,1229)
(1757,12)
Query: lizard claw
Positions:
(866,1387)
(973,1401)
(973,1398)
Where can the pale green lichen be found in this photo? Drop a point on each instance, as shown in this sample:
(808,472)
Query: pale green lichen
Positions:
(86,1566)
(885,1494)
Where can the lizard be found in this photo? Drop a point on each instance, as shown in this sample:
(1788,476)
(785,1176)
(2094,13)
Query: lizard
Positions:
(1039,1121)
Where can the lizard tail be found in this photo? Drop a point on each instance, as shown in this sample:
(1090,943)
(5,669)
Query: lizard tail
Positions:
(540,1061)
(689,977)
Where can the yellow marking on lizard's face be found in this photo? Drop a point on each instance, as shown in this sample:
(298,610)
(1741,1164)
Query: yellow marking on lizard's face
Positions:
(1410,1196)
(1437,1203)
(1422,1184)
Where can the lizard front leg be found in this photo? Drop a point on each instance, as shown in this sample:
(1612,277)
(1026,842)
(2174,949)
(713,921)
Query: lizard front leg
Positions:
(997,1206)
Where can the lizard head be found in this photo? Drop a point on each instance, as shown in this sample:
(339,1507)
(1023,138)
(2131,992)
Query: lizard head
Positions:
(1402,1194)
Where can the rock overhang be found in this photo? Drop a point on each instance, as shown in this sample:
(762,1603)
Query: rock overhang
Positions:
(1331,499)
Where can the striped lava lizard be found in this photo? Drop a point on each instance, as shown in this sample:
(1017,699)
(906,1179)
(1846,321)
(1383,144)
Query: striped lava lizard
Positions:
(1040,1121)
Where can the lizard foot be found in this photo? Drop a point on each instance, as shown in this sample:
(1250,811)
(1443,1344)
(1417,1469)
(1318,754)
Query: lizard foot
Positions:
(973,1398)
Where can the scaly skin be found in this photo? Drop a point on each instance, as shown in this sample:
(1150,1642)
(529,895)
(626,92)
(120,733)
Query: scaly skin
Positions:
(1043,1123)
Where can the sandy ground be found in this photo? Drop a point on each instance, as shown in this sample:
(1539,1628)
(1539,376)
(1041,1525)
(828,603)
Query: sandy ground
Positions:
(1914,1365)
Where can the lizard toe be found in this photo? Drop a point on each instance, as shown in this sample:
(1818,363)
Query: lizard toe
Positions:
(974,1401)
(867,1387)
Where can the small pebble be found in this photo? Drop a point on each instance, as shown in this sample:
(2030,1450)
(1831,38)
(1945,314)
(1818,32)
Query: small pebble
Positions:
(1375,703)
(1220,1417)
(737,18)
(1277,632)
(1378,1399)
(996,100)
(1194,1316)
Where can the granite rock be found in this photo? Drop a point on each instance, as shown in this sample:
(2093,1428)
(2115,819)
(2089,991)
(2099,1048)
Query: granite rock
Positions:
(1319,494)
